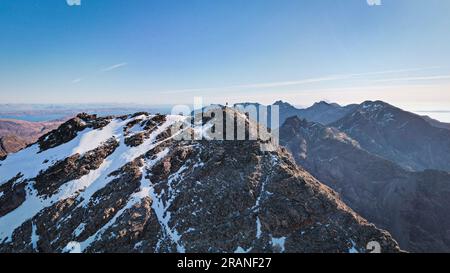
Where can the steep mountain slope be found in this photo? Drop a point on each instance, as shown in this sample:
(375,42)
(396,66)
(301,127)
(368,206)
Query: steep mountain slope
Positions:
(412,206)
(436,123)
(16,134)
(126,185)
(397,135)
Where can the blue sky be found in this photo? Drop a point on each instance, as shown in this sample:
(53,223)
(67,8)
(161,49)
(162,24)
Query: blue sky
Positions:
(162,52)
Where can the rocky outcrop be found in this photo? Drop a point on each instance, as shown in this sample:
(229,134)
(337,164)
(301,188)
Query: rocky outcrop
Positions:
(70,129)
(12,195)
(137,136)
(73,167)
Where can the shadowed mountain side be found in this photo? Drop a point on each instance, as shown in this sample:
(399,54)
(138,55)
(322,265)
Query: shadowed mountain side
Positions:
(413,206)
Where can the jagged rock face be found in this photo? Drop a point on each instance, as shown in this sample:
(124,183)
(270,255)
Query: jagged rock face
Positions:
(412,206)
(84,187)
(402,137)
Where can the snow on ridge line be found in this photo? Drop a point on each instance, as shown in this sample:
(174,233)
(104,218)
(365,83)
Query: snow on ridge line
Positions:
(163,215)
(148,144)
(34,236)
(93,139)
(121,156)
(33,203)
(86,185)
(134,199)
(161,208)
(30,161)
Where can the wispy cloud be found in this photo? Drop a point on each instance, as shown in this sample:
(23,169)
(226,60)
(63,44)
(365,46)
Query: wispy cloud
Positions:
(258,85)
(106,69)
(113,67)
(73,2)
(77,80)
(300,82)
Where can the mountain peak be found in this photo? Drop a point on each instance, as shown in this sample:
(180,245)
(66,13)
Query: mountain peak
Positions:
(325,104)
(398,135)
(282,103)
(377,104)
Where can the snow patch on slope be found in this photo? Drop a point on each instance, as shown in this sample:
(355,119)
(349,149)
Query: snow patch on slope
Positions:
(34,236)
(242,250)
(144,191)
(93,139)
(258,227)
(162,212)
(79,229)
(353,248)
(279,242)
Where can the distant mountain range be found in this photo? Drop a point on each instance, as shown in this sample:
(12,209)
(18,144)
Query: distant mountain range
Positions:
(412,141)
(390,165)
(405,138)
(325,112)
(322,112)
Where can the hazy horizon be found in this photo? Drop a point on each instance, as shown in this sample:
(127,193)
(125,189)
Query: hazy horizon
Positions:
(19,111)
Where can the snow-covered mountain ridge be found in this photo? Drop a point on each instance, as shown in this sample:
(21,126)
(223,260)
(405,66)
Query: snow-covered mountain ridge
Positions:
(125,184)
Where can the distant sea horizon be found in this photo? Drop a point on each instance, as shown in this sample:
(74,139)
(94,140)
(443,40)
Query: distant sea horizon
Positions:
(34,118)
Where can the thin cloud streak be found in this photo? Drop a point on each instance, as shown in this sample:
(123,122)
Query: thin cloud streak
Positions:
(256,85)
(298,82)
(113,67)
(106,69)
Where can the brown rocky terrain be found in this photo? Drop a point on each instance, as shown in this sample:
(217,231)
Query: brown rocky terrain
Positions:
(84,188)
(17,134)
